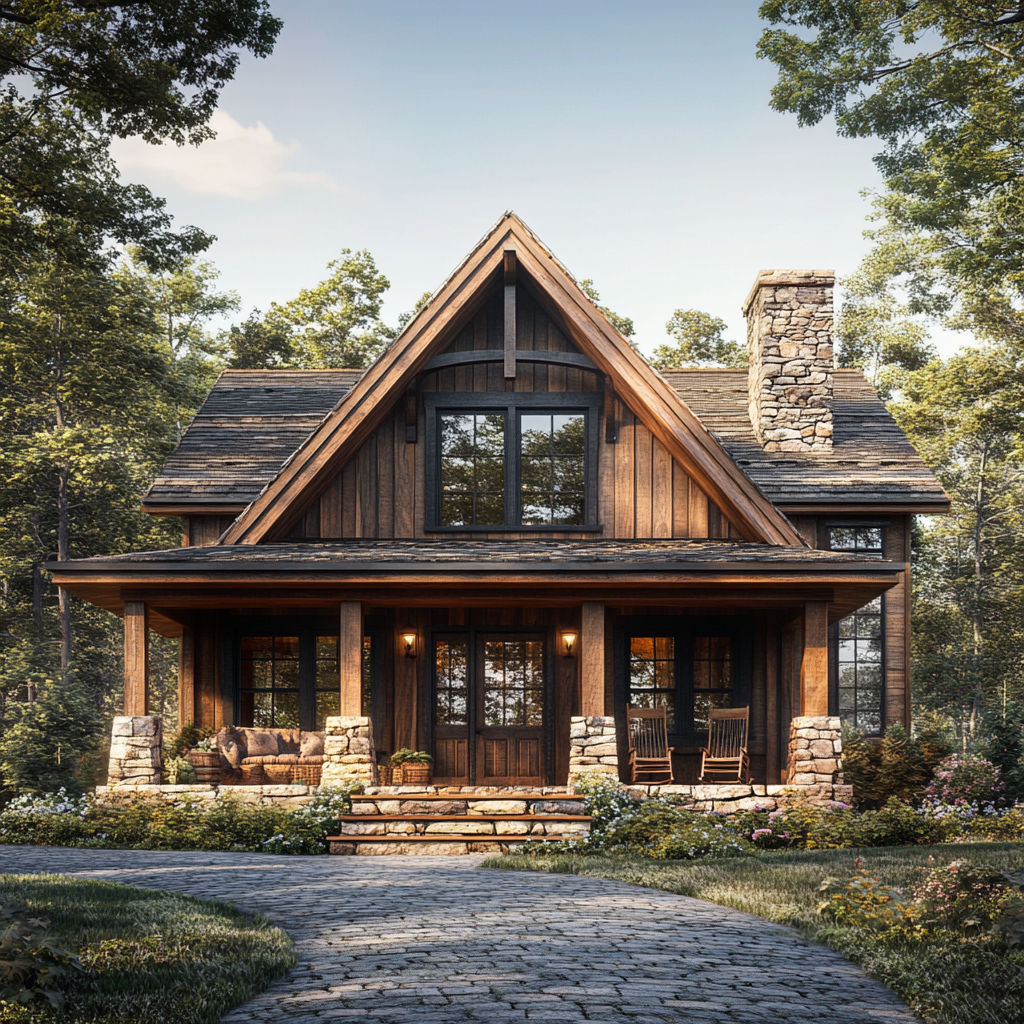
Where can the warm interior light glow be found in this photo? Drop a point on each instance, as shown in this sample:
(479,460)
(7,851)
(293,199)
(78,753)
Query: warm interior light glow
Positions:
(409,639)
(569,644)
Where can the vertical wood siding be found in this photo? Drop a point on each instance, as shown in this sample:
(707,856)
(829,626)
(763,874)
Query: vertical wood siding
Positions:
(642,492)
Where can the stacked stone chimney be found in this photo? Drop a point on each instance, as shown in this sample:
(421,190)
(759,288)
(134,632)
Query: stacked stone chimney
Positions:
(789,341)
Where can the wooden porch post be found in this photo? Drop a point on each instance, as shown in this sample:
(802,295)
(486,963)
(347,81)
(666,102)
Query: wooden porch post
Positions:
(187,677)
(592,659)
(136,658)
(814,665)
(350,658)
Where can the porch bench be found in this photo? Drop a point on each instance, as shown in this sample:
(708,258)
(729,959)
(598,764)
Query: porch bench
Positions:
(257,756)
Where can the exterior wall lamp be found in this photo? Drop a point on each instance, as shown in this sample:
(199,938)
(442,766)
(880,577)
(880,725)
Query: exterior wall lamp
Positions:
(409,640)
(569,644)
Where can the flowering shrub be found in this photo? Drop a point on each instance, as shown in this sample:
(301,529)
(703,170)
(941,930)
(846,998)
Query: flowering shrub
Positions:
(155,824)
(975,903)
(966,780)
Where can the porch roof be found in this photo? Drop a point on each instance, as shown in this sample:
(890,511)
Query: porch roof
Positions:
(525,555)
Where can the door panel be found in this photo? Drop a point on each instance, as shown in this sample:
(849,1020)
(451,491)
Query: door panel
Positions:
(451,709)
(510,709)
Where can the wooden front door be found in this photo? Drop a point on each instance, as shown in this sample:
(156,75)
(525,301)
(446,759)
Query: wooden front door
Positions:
(489,709)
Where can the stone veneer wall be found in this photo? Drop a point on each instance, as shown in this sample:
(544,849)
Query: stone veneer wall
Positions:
(592,747)
(816,755)
(136,751)
(789,344)
(348,751)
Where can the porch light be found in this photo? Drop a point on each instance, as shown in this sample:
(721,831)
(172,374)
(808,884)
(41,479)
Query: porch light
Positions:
(568,644)
(409,639)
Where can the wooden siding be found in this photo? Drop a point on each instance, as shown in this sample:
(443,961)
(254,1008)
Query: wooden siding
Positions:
(203,531)
(642,492)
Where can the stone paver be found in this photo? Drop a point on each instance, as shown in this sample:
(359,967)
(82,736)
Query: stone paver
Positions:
(434,940)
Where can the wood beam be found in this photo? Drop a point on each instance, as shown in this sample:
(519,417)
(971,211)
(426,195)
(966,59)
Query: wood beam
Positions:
(136,658)
(350,658)
(510,313)
(611,424)
(814,664)
(410,412)
(592,655)
(187,677)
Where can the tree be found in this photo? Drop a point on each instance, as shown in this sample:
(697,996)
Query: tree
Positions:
(621,323)
(699,341)
(79,72)
(337,322)
(256,344)
(941,84)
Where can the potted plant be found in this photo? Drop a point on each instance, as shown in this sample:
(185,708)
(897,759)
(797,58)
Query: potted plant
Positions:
(206,760)
(410,767)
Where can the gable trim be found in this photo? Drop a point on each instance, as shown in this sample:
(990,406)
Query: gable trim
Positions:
(648,395)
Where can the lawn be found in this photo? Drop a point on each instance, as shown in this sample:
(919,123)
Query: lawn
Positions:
(942,978)
(153,957)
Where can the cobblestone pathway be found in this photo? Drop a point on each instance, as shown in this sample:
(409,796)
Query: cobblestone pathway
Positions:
(433,940)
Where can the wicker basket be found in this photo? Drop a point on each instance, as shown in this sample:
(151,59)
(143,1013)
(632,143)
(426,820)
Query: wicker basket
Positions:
(385,773)
(415,774)
(279,774)
(306,774)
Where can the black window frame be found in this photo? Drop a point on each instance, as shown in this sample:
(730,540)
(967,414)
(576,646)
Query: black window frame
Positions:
(307,629)
(835,628)
(513,404)
(739,628)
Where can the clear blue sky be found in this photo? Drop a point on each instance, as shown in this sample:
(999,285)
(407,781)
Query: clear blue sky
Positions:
(635,139)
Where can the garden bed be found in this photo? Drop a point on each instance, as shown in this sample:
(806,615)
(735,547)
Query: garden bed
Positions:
(945,973)
(145,957)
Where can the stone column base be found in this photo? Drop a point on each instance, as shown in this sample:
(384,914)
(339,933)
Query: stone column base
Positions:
(815,752)
(348,751)
(136,751)
(592,748)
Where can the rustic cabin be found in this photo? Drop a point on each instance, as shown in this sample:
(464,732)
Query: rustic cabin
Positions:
(510,530)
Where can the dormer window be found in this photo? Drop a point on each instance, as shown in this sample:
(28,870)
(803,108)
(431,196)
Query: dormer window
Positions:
(512,461)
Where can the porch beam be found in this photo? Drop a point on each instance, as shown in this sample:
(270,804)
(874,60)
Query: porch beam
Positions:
(350,658)
(510,313)
(592,659)
(136,658)
(814,664)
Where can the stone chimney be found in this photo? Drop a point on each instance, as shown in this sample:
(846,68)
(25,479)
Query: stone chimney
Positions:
(789,342)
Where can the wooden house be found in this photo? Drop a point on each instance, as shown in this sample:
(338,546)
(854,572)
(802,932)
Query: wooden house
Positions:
(510,520)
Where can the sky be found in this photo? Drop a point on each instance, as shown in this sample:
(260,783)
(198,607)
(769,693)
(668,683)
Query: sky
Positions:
(636,140)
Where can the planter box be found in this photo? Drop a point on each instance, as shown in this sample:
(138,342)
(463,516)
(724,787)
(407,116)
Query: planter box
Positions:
(207,765)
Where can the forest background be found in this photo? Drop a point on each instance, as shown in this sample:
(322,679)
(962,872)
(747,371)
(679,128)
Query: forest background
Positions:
(107,346)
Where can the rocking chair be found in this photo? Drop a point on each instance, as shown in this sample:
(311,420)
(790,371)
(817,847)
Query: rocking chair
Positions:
(650,756)
(725,758)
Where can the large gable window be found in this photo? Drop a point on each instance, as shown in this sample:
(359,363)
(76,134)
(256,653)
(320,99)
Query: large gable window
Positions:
(512,461)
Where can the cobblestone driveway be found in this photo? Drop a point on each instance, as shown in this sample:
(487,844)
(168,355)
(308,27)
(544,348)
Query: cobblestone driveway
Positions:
(433,939)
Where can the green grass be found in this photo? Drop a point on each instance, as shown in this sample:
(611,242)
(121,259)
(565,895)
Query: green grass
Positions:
(153,957)
(943,979)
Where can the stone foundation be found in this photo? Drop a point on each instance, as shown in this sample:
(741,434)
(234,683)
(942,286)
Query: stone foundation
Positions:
(593,749)
(348,751)
(816,756)
(729,799)
(265,796)
(136,751)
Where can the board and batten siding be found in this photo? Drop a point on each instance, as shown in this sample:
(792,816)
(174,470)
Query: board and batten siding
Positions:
(642,492)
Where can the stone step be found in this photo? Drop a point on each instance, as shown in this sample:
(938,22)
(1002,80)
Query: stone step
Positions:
(464,817)
(432,845)
(410,793)
(405,805)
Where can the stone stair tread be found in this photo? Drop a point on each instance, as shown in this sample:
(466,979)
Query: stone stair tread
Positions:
(374,797)
(464,817)
(448,837)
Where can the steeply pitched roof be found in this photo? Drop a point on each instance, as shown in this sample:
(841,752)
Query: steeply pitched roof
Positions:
(255,420)
(345,429)
(870,463)
(251,423)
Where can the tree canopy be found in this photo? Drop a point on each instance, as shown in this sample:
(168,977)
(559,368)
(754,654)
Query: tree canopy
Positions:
(698,341)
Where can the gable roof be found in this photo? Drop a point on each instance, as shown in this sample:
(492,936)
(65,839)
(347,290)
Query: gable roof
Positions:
(647,394)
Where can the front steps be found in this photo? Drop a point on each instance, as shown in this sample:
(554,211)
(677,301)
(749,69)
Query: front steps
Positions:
(404,819)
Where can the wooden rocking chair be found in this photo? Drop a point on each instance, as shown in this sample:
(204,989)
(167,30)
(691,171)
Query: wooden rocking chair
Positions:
(650,756)
(725,758)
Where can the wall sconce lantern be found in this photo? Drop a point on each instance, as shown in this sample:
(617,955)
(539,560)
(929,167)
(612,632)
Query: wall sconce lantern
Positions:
(409,640)
(568,644)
